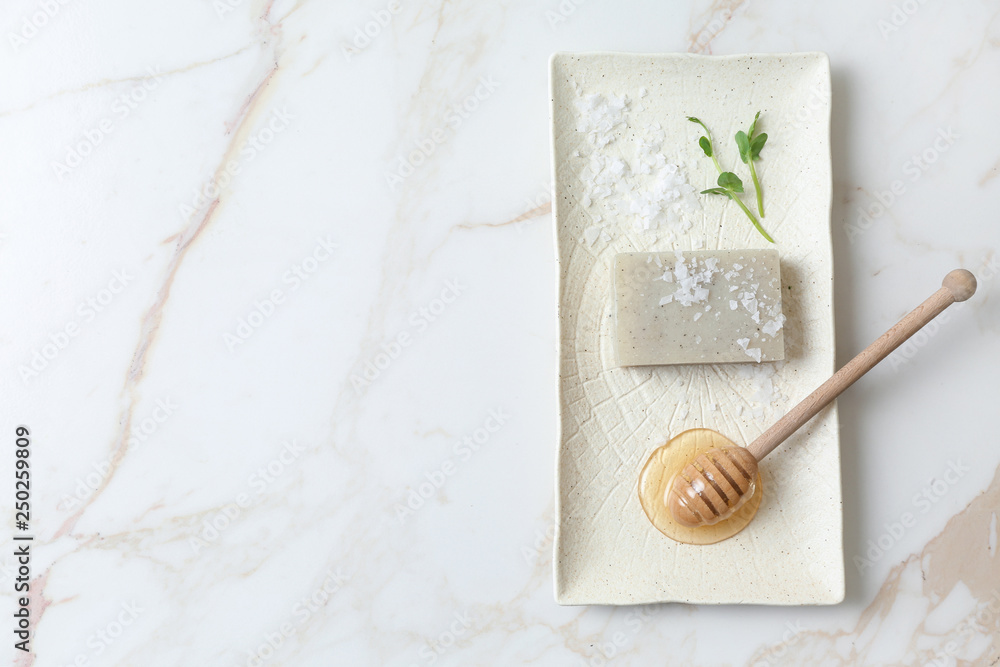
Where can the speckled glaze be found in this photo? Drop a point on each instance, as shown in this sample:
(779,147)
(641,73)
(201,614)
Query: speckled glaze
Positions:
(606,551)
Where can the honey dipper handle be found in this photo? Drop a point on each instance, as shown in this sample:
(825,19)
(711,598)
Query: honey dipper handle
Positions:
(958,285)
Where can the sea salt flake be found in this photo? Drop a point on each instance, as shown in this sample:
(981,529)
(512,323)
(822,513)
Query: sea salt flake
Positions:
(771,327)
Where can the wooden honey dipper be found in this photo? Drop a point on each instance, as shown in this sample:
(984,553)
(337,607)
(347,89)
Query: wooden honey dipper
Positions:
(717,483)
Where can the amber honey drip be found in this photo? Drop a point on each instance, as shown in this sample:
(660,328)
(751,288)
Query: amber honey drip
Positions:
(659,472)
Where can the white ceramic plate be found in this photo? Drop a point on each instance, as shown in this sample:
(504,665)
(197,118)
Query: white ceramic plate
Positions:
(611,113)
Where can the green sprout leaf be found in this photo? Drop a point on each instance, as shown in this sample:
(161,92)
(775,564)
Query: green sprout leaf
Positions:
(730,181)
(706,146)
(743,143)
(753,125)
(757,143)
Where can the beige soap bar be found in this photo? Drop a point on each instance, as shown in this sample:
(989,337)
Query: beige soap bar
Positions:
(698,307)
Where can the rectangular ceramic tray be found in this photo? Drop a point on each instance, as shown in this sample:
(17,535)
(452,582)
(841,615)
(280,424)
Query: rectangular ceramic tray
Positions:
(613,116)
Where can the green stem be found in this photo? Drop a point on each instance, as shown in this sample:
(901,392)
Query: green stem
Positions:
(756,187)
(713,156)
(750,215)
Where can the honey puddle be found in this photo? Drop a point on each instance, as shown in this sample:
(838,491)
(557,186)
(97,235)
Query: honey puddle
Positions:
(659,471)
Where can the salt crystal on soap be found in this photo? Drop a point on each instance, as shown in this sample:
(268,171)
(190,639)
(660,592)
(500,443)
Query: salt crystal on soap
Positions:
(772,327)
(653,323)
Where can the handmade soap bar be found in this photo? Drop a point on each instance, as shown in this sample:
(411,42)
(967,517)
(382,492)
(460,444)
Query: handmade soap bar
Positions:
(698,307)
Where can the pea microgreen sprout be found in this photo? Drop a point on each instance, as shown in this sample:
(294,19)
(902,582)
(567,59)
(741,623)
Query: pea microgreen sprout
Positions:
(750,146)
(731,185)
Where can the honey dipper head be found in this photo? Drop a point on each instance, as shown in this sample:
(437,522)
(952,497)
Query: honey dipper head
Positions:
(961,284)
(712,487)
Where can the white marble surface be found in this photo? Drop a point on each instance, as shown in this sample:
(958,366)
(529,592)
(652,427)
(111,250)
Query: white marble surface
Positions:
(150,420)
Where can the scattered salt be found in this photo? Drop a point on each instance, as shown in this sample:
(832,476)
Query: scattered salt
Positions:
(645,185)
(600,116)
(752,352)
(691,277)
(771,327)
